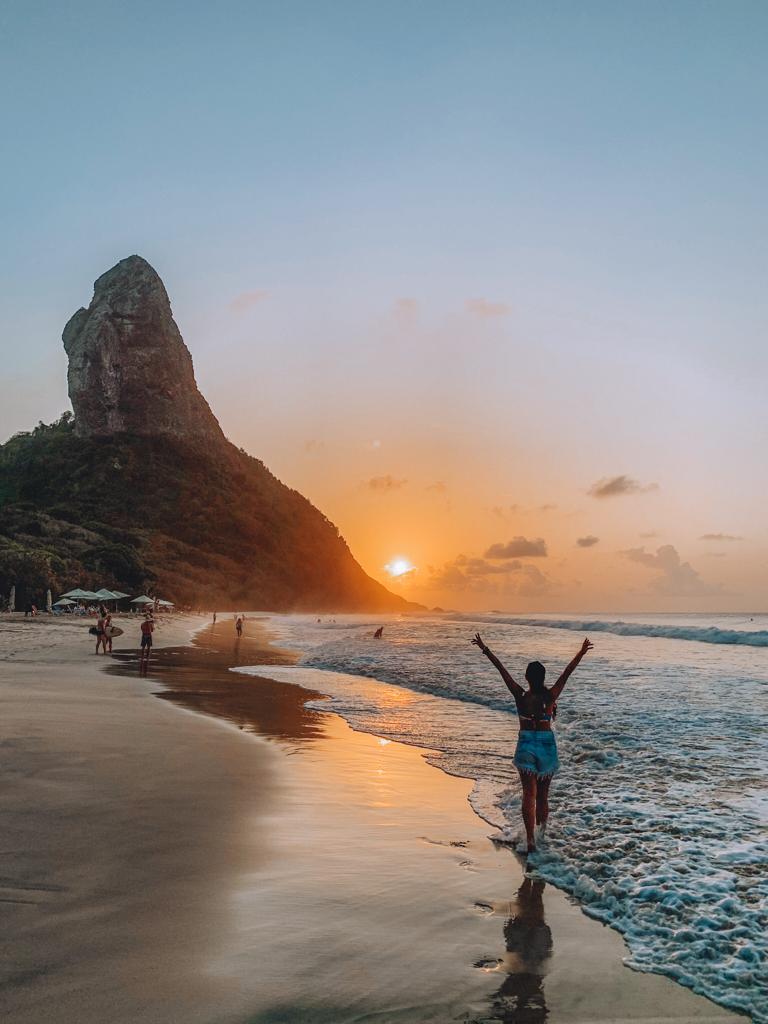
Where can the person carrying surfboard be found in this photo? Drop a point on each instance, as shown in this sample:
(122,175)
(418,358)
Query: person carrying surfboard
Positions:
(101,632)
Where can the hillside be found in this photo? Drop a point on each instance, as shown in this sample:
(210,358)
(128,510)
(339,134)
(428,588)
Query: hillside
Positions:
(141,491)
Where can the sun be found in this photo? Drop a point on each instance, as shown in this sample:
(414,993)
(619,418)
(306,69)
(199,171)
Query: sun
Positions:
(399,566)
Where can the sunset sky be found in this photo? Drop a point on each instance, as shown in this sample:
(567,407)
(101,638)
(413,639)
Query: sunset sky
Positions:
(485,281)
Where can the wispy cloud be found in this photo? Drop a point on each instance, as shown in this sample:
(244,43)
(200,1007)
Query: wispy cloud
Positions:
(384,484)
(614,486)
(506,511)
(438,487)
(247,300)
(518,547)
(675,578)
(482,307)
(587,542)
(720,536)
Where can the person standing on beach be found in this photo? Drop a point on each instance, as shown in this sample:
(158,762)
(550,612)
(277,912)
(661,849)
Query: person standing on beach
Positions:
(239,625)
(536,757)
(108,633)
(214,618)
(101,632)
(147,629)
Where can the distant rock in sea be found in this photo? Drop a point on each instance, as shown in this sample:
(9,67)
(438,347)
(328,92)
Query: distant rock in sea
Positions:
(141,491)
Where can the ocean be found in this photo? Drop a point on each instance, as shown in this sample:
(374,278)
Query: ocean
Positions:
(659,814)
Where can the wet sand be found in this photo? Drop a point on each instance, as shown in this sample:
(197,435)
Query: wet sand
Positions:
(227,854)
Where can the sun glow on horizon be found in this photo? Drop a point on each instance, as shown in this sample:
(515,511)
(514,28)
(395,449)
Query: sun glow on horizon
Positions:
(399,567)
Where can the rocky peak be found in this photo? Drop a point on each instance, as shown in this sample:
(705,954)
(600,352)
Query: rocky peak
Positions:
(129,369)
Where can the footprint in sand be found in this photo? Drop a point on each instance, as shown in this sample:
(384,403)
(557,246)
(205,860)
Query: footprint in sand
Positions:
(462,843)
(488,964)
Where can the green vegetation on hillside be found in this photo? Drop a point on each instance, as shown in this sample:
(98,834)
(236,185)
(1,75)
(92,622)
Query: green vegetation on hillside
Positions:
(200,527)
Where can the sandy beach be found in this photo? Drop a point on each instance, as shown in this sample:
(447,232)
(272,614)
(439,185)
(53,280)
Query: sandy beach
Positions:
(227,854)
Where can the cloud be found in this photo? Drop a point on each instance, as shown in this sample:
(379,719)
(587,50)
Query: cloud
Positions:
(247,300)
(506,511)
(648,535)
(675,578)
(476,575)
(518,547)
(313,446)
(480,567)
(482,307)
(438,487)
(588,542)
(720,536)
(383,484)
(613,486)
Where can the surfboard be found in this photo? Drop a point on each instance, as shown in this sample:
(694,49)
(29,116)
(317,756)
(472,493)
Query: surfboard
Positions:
(113,631)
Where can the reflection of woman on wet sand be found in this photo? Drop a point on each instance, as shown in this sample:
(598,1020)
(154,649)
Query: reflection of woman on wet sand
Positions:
(536,754)
(529,947)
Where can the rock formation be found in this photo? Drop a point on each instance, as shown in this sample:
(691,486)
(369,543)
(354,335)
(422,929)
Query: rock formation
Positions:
(129,369)
(142,492)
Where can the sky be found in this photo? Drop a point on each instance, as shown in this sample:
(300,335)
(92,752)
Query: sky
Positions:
(485,281)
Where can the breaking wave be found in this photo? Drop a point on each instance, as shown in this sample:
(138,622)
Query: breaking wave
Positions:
(702,634)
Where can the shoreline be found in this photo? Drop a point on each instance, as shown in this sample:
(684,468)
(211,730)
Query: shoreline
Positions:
(322,849)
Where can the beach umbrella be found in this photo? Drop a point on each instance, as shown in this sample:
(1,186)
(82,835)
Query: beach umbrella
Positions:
(119,595)
(143,599)
(48,599)
(166,604)
(63,602)
(106,595)
(82,595)
(12,600)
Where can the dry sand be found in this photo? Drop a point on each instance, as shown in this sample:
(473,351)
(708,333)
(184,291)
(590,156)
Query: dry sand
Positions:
(161,865)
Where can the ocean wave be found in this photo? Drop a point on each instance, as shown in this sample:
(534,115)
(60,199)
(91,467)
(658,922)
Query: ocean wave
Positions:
(701,634)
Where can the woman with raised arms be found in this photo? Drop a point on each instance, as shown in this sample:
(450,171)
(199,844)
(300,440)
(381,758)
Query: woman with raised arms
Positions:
(536,754)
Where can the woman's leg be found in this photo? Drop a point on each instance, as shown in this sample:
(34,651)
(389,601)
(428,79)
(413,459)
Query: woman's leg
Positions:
(528,783)
(542,801)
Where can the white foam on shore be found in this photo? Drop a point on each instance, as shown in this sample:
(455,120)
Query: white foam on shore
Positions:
(659,814)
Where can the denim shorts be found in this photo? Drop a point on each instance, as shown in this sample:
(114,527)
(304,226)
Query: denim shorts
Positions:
(536,753)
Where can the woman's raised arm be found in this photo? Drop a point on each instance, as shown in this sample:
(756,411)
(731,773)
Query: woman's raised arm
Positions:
(514,688)
(557,689)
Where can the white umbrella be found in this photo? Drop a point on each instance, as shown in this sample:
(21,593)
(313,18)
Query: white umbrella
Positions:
(119,594)
(106,595)
(48,599)
(63,602)
(82,595)
(166,604)
(143,600)
(12,600)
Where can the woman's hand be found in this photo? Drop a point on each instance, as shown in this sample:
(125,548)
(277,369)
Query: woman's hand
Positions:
(586,646)
(477,640)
